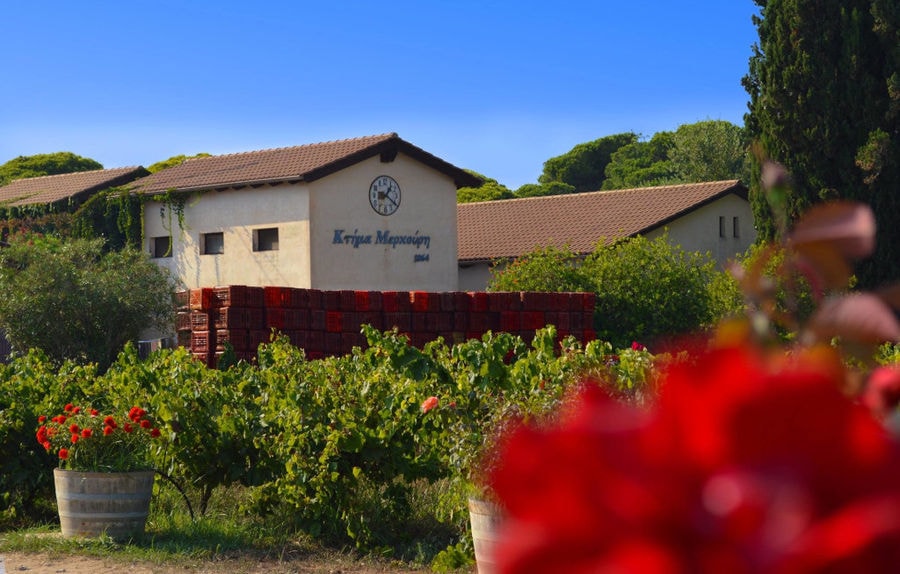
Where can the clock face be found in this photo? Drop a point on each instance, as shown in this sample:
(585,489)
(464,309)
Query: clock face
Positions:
(384,195)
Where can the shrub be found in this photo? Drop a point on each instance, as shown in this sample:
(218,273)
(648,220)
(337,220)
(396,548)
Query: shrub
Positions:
(73,301)
(648,289)
(546,269)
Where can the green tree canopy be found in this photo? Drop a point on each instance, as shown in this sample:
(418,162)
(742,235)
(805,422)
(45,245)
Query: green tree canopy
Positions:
(173,161)
(641,164)
(711,150)
(45,164)
(74,301)
(541,189)
(584,166)
(824,86)
(490,190)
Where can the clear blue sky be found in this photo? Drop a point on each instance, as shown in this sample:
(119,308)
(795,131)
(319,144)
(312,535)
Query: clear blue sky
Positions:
(494,86)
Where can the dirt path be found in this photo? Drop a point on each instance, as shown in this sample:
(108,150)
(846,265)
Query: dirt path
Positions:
(40,563)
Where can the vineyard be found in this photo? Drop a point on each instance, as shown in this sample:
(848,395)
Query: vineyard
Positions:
(340,448)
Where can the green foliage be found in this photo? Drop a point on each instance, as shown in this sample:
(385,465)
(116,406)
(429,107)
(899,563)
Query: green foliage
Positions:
(112,215)
(836,133)
(74,301)
(649,289)
(546,269)
(490,190)
(646,289)
(45,164)
(546,188)
(711,150)
(641,164)
(584,166)
(340,448)
(173,161)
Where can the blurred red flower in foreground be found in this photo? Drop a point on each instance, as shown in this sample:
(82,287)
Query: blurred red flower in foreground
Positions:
(746,464)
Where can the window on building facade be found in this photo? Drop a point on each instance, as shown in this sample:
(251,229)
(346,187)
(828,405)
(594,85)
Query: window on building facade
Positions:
(265,239)
(735,227)
(212,243)
(161,247)
(721,226)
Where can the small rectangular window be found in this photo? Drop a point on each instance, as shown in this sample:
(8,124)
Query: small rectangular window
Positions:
(721,226)
(212,243)
(265,239)
(161,247)
(735,227)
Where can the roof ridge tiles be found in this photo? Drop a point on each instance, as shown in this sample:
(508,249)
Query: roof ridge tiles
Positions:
(71,173)
(723,182)
(383,136)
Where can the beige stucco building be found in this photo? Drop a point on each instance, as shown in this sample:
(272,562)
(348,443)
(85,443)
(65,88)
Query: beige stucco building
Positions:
(374,213)
(713,217)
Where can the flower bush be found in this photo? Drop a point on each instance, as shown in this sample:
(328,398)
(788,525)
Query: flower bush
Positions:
(84,439)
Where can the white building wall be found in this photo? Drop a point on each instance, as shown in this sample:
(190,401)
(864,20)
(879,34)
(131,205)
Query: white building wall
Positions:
(236,213)
(329,235)
(352,244)
(700,229)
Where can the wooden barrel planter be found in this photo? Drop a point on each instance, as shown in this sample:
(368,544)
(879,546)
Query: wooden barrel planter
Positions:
(484,518)
(93,503)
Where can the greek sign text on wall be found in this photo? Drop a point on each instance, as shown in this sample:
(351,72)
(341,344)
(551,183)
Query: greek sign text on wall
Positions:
(356,239)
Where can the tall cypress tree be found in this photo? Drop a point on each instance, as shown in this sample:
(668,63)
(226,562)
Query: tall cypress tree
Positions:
(824,85)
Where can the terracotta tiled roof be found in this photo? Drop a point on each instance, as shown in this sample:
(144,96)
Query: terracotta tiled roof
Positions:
(510,228)
(290,164)
(53,188)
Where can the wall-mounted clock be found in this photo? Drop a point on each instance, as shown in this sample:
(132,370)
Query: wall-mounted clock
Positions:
(384,195)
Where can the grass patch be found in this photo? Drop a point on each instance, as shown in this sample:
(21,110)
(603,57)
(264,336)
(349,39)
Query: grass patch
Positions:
(224,533)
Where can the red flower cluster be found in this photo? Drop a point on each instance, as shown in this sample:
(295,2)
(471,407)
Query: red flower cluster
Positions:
(744,465)
(75,427)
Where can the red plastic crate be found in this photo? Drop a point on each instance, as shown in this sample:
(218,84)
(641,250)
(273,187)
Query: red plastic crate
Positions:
(348,300)
(461,321)
(375,301)
(588,301)
(200,321)
(479,301)
(350,322)
(361,300)
(276,296)
(402,321)
(390,301)
(333,344)
(238,338)
(315,341)
(314,298)
(182,300)
(275,318)
(200,341)
(183,321)
(334,321)
(510,321)
(331,300)
(201,299)
(259,337)
(588,335)
(419,322)
(299,338)
(299,298)
(296,319)
(230,318)
(461,301)
(317,319)
(373,318)
(532,320)
(423,301)
(447,301)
